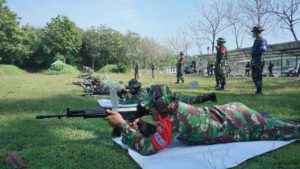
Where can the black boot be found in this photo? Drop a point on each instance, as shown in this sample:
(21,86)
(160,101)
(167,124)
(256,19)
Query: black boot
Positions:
(258,91)
(221,88)
(217,86)
(206,97)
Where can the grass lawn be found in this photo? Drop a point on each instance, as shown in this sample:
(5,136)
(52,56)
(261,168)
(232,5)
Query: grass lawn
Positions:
(78,143)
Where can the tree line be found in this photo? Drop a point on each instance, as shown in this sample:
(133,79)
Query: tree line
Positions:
(35,49)
(213,17)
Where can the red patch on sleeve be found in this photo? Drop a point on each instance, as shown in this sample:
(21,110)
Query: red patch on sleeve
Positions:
(163,135)
(223,49)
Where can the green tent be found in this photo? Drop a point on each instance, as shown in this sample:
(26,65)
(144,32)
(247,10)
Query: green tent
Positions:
(57,65)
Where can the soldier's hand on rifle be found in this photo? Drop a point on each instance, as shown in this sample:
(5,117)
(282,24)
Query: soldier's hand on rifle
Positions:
(134,124)
(114,118)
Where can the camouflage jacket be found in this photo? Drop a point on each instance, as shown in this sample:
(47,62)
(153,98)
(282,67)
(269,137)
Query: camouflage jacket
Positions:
(221,59)
(218,124)
(258,49)
(134,99)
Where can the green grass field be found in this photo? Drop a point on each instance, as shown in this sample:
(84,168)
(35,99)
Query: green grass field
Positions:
(79,143)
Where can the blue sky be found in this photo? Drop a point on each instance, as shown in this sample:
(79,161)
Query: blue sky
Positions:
(158,19)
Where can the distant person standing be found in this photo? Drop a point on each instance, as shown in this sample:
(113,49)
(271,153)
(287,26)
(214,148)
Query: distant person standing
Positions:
(270,68)
(220,64)
(136,71)
(258,61)
(208,69)
(247,69)
(153,67)
(180,73)
(211,66)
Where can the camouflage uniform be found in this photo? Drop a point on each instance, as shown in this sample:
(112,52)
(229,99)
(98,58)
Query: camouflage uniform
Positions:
(247,69)
(211,69)
(103,87)
(180,73)
(209,125)
(136,71)
(134,99)
(142,93)
(220,64)
(258,60)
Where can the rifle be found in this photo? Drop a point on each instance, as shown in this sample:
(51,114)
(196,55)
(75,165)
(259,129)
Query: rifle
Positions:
(129,114)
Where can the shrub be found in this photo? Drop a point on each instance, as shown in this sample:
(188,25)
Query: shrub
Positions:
(121,68)
(11,70)
(67,69)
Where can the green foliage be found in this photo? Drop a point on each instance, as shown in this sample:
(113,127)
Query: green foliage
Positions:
(63,37)
(108,69)
(102,46)
(66,69)
(13,41)
(121,68)
(10,70)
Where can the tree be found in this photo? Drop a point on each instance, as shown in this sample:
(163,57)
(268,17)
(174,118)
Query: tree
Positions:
(286,13)
(12,39)
(234,17)
(256,13)
(181,41)
(211,20)
(131,43)
(102,46)
(63,37)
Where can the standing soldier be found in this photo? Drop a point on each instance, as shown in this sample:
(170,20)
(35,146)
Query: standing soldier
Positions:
(136,70)
(153,67)
(247,69)
(220,64)
(208,69)
(258,61)
(270,68)
(180,73)
(211,66)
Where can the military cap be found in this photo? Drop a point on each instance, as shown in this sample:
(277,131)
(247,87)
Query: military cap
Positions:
(257,29)
(158,94)
(133,83)
(222,40)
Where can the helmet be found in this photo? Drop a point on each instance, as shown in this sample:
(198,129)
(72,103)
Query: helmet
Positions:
(158,95)
(133,83)
(222,40)
(181,53)
(257,29)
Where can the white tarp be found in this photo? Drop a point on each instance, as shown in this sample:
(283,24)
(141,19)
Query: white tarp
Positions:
(218,156)
(108,104)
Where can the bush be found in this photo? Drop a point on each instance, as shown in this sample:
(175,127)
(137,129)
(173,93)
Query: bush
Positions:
(11,70)
(67,69)
(121,68)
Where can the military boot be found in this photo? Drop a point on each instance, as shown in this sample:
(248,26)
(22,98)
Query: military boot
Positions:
(222,88)
(206,97)
(258,91)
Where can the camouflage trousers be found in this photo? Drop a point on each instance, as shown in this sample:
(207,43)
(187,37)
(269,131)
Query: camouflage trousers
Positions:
(195,99)
(180,78)
(236,122)
(220,79)
(257,75)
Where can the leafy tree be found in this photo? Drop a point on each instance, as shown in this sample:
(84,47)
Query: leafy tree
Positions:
(102,46)
(132,41)
(63,37)
(13,47)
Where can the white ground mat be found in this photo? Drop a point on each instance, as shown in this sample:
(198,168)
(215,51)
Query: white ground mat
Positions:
(218,156)
(108,104)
